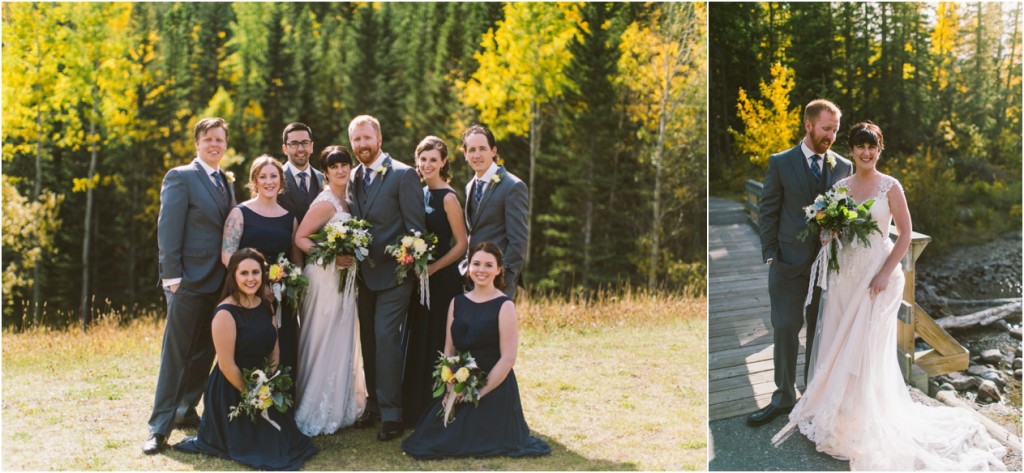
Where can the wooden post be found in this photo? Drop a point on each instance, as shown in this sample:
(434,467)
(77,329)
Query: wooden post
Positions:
(907,324)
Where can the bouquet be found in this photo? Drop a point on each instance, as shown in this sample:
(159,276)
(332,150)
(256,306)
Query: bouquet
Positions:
(835,217)
(286,279)
(341,238)
(264,392)
(415,250)
(459,379)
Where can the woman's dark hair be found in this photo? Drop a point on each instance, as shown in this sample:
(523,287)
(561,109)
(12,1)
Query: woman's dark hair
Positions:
(231,285)
(865,132)
(488,247)
(433,142)
(335,154)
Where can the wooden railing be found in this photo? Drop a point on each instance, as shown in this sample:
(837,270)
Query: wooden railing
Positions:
(946,354)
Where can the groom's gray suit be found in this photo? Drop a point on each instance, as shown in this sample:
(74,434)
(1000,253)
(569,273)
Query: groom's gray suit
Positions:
(189,230)
(501,218)
(394,207)
(789,186)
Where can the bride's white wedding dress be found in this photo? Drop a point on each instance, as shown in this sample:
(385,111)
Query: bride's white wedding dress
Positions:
(856,406)
(331,388)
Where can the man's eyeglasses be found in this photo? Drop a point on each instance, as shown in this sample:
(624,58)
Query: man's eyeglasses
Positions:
(298,144)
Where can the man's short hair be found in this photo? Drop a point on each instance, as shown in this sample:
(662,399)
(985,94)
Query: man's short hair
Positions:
(813,109)
(208,124)
(362,120)
(295,126)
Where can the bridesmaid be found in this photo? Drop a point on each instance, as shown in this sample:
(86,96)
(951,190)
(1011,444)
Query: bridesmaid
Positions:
(243,337)
(482,322)
(261,223)
(426,327)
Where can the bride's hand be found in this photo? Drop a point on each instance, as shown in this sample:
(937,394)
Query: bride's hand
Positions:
(878,284)
(824,237)
(344,261)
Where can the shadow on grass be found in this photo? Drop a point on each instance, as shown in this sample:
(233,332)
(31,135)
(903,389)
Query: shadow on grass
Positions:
(359,449)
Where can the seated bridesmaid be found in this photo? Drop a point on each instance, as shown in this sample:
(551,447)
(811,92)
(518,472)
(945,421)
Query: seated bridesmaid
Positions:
(243,337)
(482,322)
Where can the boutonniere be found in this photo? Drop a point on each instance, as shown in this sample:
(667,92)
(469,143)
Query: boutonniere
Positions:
(495,178)
(384,168)
(230,175)
(831,161)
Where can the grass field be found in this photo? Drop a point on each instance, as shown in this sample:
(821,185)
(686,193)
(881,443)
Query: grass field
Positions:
(614,384)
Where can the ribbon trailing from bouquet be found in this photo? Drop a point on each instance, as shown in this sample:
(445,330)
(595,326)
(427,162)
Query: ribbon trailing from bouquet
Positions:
(425,289)
(266,415)
(449,404)
(820,268)
(278,288)
(347,279)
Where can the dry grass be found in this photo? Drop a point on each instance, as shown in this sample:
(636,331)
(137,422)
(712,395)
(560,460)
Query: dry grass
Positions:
(616,383)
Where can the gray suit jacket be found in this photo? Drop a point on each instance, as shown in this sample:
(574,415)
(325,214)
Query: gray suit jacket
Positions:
(788,188)
(394,206)
(501,219)
(293,200)
(190,226)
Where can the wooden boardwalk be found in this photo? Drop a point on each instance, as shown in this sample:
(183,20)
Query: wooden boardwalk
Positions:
(741,376)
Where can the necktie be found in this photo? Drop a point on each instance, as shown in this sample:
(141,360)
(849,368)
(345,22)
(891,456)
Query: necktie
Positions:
(367,175)
(478,191)
(302,183)
(815,167)
(216,182)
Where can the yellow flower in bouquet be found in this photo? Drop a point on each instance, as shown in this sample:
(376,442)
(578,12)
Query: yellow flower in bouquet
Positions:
(275,272)
(462,374)
(446,374)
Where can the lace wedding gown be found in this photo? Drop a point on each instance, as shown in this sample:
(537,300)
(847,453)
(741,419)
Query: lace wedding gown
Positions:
(331,388)
(856,406)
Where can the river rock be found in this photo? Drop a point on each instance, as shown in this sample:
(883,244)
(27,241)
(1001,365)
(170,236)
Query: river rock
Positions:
(978,370)
(988,390)
(1016,373)
(995,377)
(1017,363)
(962,382)
(947,387)
(992,355)
(1015,331)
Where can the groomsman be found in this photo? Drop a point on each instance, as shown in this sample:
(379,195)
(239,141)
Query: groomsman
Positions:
(194,202)
(497,204)
(793,180)
(302,183)
(386,193)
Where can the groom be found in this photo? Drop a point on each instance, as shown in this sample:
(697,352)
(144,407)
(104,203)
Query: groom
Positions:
(387,194)
(793,180)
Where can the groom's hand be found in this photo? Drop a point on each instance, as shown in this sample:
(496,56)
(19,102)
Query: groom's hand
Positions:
(173,288)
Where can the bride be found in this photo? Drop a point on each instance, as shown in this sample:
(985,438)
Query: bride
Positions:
(331,389)
(856,406)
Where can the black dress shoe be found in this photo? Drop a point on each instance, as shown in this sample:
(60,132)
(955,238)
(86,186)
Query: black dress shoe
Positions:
(766,415)
(368,419)
(389,431)
(154,444)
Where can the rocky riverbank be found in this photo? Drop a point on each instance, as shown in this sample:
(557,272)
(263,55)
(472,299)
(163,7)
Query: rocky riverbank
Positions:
(966,281)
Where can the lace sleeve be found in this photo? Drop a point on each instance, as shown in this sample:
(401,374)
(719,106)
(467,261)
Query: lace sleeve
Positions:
(886,185)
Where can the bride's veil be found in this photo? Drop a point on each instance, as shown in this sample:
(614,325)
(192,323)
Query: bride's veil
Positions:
(813,361)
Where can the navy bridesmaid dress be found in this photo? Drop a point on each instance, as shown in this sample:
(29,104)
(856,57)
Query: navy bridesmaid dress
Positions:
(273,236)
(253,442)
(426,327)
(496,427)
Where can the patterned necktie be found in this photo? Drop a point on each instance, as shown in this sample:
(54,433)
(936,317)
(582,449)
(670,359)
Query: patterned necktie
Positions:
(302,182)
(478,192)
(367,175)
(815,167)
(216,183)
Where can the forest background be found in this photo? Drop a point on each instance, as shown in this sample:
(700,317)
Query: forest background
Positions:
(599,107)
(942,80)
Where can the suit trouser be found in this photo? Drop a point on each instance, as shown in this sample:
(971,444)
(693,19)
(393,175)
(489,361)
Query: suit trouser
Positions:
(185,359)
(787,300)
(382,316)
